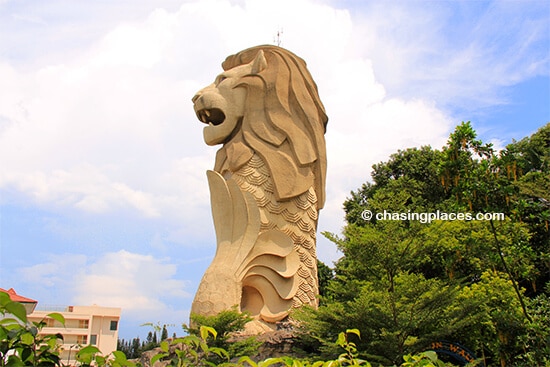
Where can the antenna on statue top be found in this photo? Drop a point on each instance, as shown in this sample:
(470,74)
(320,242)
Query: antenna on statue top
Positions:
(278,37)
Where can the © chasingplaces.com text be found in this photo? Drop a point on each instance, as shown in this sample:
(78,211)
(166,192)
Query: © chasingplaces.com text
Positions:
(428,217)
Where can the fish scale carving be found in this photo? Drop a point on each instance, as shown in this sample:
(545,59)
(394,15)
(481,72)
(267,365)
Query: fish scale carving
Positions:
(296,217)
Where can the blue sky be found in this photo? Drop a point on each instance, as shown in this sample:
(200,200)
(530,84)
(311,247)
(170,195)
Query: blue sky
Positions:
(103,192)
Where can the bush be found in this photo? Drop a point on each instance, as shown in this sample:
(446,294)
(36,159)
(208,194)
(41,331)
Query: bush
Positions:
(21,345)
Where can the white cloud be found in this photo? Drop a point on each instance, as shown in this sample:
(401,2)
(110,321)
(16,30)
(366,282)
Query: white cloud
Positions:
(109,127)
(112,126)
(113,129)
(53,273)
(460,54)
(85,188)
(141,45)
(142,285)
(132,281)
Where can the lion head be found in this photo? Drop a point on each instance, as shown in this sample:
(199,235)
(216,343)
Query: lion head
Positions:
(266,102)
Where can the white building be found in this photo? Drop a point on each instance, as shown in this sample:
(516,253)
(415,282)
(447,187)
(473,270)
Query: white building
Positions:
(84,325)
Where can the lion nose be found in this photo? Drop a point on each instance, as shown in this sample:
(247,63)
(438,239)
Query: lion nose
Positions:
(195,97)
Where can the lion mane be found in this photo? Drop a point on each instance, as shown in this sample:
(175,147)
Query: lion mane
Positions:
(284,123)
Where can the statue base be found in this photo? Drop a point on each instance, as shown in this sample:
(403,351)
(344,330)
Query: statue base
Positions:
(275,343)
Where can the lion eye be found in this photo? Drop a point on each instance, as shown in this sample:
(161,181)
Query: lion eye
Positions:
(220,79)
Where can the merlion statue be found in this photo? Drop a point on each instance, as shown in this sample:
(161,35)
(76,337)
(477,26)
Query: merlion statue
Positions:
(267,186)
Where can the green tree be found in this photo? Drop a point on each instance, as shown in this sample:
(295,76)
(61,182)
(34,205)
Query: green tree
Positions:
(536,342)
(324,275)
(412,172)
(394,269)
(135,350)
(226,323)
(526,164)
(164,333)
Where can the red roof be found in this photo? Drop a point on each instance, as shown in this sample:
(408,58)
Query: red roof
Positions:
(17,298)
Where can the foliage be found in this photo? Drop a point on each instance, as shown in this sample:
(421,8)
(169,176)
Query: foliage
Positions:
(536,342)
(20,341)
(198,350)
(488,317)
(192,350)
(324,275)
(135,347)
(478,283)
(226,323)
(425,359)
(91,356)
(21,346)
(397,317)
(400,285)
(132,348)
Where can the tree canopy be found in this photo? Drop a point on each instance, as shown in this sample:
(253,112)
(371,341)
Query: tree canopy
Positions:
(484,284)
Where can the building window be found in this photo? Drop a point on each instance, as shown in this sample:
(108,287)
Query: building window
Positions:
(49,322)
(114,325)
(83,324)
(93,339)
(82,339)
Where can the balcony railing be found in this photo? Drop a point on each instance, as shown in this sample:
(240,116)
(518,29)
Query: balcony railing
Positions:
(53,308)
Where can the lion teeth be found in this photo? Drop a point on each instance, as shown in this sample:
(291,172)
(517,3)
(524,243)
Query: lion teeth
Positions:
(202,117)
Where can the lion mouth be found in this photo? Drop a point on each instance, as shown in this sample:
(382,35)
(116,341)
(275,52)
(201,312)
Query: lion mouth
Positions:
(211,116)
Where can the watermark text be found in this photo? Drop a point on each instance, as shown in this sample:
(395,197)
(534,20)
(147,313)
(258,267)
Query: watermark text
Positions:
(428,217)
